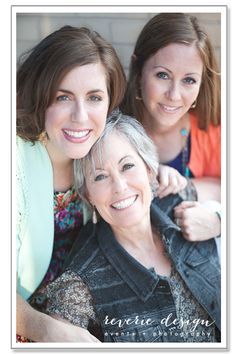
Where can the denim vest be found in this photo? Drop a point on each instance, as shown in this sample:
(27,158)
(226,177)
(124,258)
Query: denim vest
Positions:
(132,302)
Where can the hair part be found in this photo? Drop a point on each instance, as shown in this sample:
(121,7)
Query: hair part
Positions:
(162,30)
(131,130)
(44,67)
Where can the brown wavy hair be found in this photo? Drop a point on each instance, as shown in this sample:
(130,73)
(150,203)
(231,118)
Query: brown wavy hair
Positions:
(162,30)
(42,69)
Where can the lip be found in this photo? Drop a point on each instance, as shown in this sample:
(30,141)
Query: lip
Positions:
(124,203)
(77,136)
(169,109)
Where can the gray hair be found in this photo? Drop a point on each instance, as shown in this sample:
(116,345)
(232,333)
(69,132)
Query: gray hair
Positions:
(128,128)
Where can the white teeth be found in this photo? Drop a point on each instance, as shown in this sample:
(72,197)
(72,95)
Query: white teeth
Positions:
(169,109)
(74,134)
(124,203)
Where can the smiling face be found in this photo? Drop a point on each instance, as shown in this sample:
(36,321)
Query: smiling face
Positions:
(120,188)
(170,83)
(77,115)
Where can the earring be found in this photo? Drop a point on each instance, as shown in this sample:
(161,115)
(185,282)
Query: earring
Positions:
(43,137)
(138,98)
(94,216)
(194,104)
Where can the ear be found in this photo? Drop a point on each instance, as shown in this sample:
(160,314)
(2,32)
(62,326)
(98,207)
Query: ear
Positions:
(150,174)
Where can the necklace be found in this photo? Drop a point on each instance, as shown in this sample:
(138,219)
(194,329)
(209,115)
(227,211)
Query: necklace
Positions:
(184,134)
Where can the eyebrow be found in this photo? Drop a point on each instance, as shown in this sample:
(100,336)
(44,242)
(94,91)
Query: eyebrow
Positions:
(123,158)
(70,92)
(163,67)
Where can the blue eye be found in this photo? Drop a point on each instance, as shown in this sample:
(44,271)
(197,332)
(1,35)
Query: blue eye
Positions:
(99,177)
(95,98)
(190,80)
(127,166)
(162,75)
(62,98)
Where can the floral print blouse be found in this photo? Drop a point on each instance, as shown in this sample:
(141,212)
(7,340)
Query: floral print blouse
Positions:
(68,219)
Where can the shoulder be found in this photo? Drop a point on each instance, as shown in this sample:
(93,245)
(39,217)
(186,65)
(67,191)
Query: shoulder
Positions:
(32,161)
(212,133)
(201,255)
(205,157)
(168,203)
(84,249)
(28,149)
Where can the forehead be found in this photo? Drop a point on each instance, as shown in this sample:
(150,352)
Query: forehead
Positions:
(178,56)
(93,72)
(111,150)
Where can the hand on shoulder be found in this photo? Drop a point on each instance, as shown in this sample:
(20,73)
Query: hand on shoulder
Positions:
(170,181)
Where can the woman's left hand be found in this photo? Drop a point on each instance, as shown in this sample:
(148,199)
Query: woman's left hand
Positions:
(170,181)
(196,221)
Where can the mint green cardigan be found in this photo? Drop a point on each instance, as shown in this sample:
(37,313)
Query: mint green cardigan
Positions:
(34,215)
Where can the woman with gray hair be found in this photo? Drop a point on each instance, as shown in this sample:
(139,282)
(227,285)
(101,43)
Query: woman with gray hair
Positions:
(131,276)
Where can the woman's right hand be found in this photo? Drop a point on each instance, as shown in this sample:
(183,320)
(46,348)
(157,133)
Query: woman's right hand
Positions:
(40,327)
(170,181)
(63,331)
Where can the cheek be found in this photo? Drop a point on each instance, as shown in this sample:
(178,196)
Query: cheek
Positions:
(49,118)
(53,117)
(192,96)
(150,91)
(100,117)
(97,195)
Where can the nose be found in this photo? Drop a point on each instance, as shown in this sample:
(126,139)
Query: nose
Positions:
(174,92)
(119,184)
(79,112)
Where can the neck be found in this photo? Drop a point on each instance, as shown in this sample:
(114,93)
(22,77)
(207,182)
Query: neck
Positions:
(154,128)
(146,246)
(135,237)
(168,139)
(62,169)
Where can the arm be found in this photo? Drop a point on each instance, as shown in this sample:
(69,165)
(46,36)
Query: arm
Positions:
(69,299)
(208,188)
(172,182)
(43,328)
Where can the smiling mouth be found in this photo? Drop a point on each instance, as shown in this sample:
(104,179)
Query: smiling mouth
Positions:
(76,134)
(169,109)
(125,203)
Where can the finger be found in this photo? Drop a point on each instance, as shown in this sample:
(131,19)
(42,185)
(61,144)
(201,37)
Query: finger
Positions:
(163,184)
(163,178)
(178,213)
(172,185)
(186,204)
(178,222)
(166,192)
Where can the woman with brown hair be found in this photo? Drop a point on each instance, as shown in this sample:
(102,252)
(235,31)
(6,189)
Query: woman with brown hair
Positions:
(174,91)
(66,87)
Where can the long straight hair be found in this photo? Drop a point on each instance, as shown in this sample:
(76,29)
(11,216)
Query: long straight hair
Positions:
(162,30)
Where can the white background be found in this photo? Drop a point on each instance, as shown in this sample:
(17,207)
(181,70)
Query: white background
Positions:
(5,150)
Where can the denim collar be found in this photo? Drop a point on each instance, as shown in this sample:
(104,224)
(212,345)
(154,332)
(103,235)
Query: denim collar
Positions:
(141,280)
